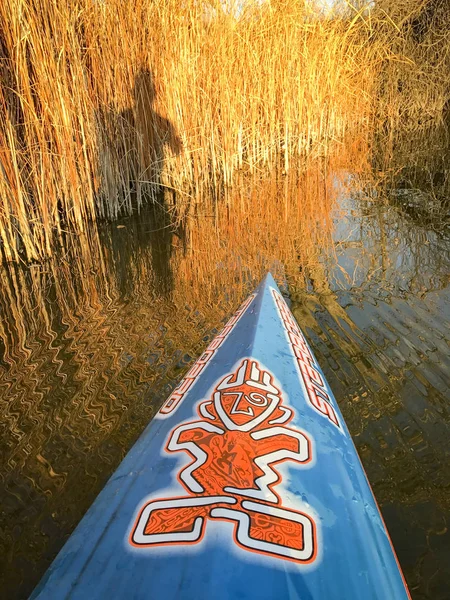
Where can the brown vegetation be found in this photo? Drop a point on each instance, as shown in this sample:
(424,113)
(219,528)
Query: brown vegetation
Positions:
(104,102)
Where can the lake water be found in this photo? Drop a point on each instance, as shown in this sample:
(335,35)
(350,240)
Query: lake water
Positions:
(92,342)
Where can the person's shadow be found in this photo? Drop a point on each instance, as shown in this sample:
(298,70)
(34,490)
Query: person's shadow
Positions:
(153,133)
(133,156)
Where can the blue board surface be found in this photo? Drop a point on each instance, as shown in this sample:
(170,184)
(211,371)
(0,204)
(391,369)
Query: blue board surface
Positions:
(246,485)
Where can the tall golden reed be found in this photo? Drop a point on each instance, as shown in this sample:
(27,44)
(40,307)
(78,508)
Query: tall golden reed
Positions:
(102,102)
(414,85)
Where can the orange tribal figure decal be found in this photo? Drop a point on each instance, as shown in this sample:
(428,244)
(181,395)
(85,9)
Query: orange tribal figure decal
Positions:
(235,448)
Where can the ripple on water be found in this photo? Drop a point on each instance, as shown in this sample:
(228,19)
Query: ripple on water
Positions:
(87,354)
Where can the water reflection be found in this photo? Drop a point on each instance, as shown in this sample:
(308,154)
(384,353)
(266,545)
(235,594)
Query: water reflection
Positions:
(93,342)
(377,315)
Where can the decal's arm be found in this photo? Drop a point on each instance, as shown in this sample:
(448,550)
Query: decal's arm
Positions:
(281,444)
(186,437)
(283,439)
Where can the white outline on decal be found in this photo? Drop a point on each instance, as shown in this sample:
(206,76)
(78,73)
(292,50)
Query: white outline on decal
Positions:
(140,538)
(248,460)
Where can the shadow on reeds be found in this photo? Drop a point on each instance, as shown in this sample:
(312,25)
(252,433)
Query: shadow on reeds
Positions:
(139,136)
(132,146)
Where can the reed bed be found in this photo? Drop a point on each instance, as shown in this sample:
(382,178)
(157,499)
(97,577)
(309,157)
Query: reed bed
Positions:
(414,84)
(105,103)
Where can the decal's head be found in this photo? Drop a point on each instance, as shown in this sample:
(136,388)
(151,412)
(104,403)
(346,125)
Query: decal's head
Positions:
(247,397)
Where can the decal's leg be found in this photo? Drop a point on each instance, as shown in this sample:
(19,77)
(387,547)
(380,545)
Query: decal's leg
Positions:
(175,520)
(272,530)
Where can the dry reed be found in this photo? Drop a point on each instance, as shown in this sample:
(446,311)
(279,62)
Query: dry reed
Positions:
(104,103)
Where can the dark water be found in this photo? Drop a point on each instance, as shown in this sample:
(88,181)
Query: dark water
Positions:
(93,342)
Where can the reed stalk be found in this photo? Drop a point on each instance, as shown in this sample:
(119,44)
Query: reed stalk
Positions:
(104,103)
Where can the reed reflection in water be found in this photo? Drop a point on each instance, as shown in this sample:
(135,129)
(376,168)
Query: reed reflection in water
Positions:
(93,342)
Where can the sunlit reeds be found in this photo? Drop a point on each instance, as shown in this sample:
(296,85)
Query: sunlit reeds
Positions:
(103,103)
(414,85)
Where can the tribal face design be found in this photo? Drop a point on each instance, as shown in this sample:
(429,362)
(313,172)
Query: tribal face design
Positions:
(246,398)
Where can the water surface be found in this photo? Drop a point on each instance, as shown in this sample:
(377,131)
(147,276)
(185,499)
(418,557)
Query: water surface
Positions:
(93,341)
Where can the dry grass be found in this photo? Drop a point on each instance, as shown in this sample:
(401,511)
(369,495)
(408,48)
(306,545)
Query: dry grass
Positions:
(414,85)
(102,102)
